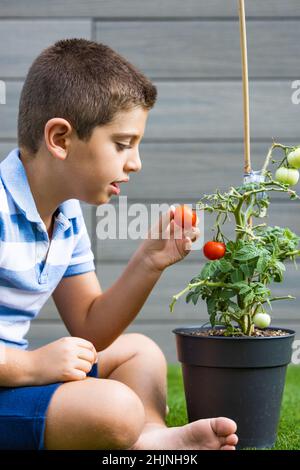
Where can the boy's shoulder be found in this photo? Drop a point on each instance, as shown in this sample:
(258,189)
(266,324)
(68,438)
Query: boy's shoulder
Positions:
(3,197)
(16,196)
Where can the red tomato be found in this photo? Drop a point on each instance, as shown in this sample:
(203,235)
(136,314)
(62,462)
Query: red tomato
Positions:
(214,250)
(185,217)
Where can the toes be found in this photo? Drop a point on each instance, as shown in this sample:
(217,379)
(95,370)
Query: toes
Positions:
(231,440)
(227,448)
(223,427)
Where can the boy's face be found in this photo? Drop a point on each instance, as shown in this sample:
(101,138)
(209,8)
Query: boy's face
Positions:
(108,156)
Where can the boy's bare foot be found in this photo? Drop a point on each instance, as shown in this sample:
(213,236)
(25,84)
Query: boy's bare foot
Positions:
(204,434)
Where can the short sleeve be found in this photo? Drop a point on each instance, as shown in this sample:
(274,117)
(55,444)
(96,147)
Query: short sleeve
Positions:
(82,260)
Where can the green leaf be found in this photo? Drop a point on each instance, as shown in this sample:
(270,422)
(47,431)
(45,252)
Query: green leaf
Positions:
(242,285)
(280,266)
(248,269)
(189,296)
(211,309)
(236,276)
(227,294)
(249,298)
(225,266)
(262,264)
(233,306)
(246,253)
(210,269)
(244,290)
(195,297)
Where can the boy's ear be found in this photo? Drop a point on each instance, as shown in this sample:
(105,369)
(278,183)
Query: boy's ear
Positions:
(57,135)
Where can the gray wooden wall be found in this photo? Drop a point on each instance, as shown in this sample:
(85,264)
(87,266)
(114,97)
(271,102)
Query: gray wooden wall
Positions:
(194,136)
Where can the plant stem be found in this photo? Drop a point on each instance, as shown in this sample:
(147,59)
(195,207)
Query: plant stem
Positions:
(293,253)
(238,217)
(269,155)
(286,297)
(197,284)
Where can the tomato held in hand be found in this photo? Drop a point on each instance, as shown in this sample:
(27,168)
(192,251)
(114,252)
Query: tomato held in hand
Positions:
(214,250)
(288,176)
(185,217)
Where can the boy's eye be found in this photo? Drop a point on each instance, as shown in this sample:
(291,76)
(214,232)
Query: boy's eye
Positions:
(121,147)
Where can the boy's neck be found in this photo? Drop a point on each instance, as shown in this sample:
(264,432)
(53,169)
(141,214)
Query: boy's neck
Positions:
(45,186)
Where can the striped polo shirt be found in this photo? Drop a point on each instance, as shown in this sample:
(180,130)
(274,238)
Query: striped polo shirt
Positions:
(31,265)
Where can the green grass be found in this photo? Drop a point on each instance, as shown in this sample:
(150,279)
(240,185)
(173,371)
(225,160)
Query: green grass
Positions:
(289,426)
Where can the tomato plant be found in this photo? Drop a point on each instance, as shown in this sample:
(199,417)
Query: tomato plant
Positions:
(214,250)
(185,217)
(235,282)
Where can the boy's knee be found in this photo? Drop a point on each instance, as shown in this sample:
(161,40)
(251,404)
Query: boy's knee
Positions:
(126,417)
(146,345)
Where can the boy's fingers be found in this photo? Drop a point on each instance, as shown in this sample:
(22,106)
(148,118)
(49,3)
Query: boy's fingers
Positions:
(88,345)
(163,222)
(165,219)
(193,233)
(188,244)
(87,355)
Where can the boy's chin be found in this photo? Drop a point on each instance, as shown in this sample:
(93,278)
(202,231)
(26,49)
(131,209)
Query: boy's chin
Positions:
(102,198)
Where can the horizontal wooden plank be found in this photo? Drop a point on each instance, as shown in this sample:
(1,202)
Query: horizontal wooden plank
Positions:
(201,110)
(172,281)
(185,183)
(6,147)
(201,49)
(184,170)
(21,41)
(178,171)
(119,245)
(41,334)
(44,333)
(143,9)
(213,110)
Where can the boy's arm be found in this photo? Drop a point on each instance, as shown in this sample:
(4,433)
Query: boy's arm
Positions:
(102,317)
(16,367)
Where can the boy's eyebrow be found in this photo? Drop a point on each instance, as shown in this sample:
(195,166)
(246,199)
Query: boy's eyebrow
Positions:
(125,134)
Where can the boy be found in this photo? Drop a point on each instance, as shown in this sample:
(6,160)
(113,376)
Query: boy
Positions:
(82,114)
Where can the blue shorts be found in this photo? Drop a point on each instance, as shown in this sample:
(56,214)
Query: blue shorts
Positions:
(23,414)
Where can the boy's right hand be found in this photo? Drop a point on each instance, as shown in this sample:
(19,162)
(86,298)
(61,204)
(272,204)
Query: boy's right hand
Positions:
(64,360)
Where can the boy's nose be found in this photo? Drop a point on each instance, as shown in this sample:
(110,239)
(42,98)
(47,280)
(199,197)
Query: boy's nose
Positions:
(134,162)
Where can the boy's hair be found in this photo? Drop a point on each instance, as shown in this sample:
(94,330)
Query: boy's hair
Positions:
(85,82)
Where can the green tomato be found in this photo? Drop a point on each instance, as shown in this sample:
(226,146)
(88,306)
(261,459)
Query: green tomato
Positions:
(289,176)
(294,158)
(262,320)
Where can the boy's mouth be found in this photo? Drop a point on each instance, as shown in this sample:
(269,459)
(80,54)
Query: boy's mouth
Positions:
(115,188)
(115,185)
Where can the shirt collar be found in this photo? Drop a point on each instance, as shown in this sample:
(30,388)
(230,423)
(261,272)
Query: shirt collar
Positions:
(14,177)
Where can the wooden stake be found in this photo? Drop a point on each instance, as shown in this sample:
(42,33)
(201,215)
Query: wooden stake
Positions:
(243,41)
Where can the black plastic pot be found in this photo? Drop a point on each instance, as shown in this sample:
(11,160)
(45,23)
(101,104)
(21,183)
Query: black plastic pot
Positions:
(241,378)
